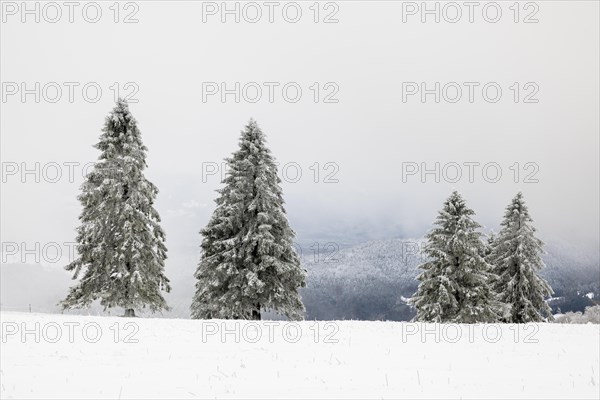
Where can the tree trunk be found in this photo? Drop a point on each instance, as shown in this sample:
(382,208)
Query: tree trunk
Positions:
(129,312)
(256,313)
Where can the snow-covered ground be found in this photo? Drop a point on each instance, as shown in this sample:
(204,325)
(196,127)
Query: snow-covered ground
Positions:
(67,356)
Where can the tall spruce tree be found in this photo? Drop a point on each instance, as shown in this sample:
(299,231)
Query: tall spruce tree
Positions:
(120,242)
(516,256)
(455,282)
(248,262)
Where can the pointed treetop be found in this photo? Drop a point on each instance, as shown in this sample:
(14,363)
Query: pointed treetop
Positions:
(121,137)
(517,213)
(518,202)
(456,200)
(121,102)
(253,132)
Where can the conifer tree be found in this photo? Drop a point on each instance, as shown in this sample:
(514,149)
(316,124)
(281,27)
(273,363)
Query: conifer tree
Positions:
(455,282)
(488,246)
(516,256)
(248,262)
(121,249)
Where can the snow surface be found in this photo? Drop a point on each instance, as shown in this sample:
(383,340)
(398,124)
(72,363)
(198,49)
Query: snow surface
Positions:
(179,358)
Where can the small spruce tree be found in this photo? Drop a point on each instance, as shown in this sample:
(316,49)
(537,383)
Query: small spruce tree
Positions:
(516,256)
(455,282)
(121,248)
(488,245)
(248,262)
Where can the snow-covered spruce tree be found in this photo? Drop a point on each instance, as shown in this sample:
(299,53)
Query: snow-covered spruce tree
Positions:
(120,242)
(455,282)
(516,256)
(248,263)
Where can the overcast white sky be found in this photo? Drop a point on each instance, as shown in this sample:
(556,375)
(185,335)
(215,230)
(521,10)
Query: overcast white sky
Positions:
(368,133)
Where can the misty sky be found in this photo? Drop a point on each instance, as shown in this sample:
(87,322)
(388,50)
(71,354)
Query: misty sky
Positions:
(366,136)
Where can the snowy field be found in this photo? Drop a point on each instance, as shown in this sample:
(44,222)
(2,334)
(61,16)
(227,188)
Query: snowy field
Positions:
(66,356)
